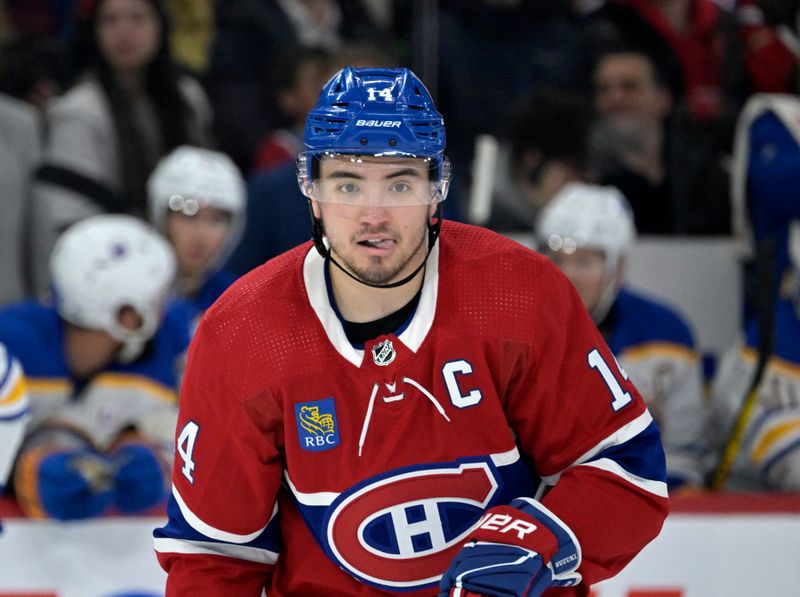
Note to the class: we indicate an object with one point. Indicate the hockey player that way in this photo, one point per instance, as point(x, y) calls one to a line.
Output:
point(196, 197)
point(766, 455)
point(101, 372)
point(14, 412)
point(411, 403)
point(588, 231)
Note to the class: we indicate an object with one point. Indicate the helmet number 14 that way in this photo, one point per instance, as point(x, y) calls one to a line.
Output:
point(385, 94)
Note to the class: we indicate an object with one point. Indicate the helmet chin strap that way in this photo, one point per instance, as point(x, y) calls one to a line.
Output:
point(322, 249)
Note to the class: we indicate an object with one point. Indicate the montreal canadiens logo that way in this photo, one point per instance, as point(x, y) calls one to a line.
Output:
point(402, 531)
point(383, 353)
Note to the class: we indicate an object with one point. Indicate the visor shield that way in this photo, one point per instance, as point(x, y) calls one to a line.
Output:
point(391, 181)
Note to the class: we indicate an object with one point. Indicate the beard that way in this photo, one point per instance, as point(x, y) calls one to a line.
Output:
point(379, 270)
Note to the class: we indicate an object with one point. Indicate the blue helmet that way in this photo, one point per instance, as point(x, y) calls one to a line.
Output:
point(376, 111)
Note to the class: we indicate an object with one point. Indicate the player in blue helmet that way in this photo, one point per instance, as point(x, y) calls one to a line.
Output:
point(397, 410)
point(374, 113)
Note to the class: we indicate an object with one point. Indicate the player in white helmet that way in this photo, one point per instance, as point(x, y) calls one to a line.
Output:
point(196, 197)
point(588, 231)
point(101, 372)
point(765, 455)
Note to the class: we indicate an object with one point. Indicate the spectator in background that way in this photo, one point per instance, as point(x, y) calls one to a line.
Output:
point(197, 199)
point(588, 231)
point(694, 45)
point(767, 30)
point(107, 133)
point(101, 367)
point(546, 149)
point(252, 36)
point(296, 94)
point(510, 49)
point(19, 154)
point(765, 455)
point(627, 144)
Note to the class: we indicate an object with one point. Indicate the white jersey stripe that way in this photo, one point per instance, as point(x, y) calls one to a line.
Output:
point(213, 532)
point(658, 488)
point(241, 552)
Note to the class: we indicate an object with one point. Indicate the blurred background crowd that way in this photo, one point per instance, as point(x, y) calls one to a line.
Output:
point(128, 122)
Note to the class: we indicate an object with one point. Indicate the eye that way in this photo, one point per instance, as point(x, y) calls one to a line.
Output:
point(347, 187)
point(401, 187)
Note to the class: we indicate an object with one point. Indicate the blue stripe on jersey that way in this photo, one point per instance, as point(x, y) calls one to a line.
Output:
point(17, 415)
point(641, 455)
point(178, 528)
point(791, 447)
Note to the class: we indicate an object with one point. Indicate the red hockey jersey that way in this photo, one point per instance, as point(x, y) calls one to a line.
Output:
point(309, 466)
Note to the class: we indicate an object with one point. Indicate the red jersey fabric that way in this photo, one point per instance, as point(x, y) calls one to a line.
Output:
point(309, 466)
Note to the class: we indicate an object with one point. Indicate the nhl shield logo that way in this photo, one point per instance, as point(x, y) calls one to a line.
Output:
point(383, 353)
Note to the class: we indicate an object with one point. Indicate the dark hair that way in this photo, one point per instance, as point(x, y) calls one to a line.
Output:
point(173, 113)
point(553, 122)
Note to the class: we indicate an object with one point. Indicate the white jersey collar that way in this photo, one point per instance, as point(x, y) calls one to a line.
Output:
point(412, 336)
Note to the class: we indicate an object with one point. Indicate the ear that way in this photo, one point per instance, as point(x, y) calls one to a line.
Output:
point(315, 208)
point(129, 319)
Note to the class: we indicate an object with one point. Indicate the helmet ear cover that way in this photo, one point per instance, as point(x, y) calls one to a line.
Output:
point(105, 263)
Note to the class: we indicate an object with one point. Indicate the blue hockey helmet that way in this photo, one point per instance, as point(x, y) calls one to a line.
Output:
point(377, 112)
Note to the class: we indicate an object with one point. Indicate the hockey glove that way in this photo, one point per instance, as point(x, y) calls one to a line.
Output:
point(63, 484)
point(518, 550)
point(139, 477)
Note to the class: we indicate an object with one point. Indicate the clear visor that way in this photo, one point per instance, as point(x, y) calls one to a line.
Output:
point(393, 181)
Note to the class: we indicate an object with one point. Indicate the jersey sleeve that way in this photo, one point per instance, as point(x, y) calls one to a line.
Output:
point(14, 412)
point(585, 427)
point(222, 530)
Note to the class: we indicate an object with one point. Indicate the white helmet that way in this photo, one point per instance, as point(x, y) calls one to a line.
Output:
point(590, 217)
point(106, 262)
point(190, 178)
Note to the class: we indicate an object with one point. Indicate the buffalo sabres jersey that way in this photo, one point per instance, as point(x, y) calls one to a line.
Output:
point(309, 466)
point(769, 454)
point(14, 411)
point(214, 285)
point(141, 394)
point(655, 347)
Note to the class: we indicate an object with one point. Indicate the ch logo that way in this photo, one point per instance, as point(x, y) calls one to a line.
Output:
point(383, 353)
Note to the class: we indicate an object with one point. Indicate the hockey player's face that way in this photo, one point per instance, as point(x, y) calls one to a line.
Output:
point(377, 240)
point(197, 238)
point(585, 268)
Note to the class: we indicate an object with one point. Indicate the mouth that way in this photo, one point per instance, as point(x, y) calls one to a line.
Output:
point(377, 245)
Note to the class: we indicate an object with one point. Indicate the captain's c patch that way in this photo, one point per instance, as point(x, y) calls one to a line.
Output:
point(317, 428)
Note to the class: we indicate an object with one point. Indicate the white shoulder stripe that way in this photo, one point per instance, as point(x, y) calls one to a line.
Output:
point(321, 498)
point(213, 532)
point(620, 436)
point(240, 552)
point(506, 458)
point(658, 488)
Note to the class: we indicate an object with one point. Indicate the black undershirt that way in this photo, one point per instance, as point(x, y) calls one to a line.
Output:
point(359, 333)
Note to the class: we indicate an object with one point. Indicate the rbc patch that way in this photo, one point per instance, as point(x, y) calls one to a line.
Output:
point(317, 427)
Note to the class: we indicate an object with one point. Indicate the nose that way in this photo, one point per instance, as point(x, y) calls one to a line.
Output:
point(373, 213)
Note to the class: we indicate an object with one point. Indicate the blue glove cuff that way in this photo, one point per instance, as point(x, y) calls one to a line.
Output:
point(567, 558)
